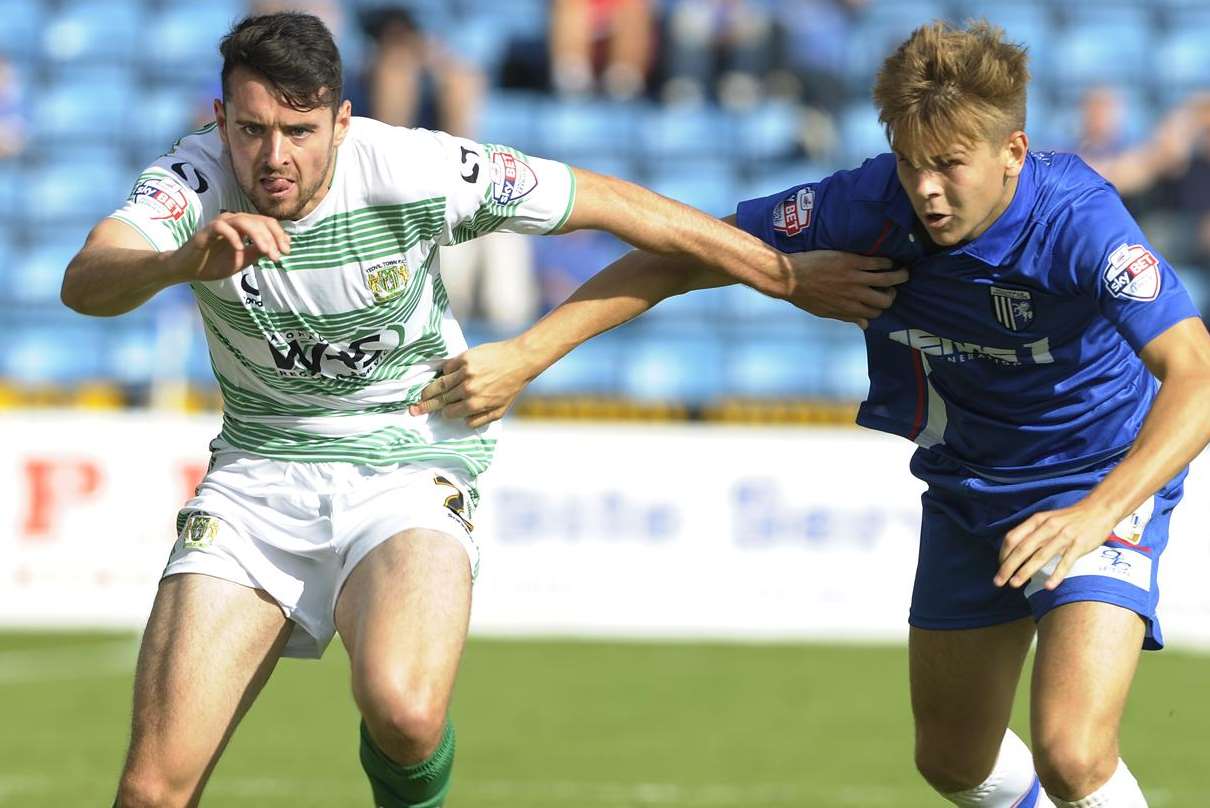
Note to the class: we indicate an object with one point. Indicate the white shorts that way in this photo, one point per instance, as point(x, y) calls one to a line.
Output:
point(297, 529)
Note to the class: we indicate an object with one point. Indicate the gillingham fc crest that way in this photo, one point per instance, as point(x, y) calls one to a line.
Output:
point(1014, 308)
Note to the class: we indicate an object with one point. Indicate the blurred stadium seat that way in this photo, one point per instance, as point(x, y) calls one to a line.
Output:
point(94, 31)
point(590, 369)
point(673, 368)
point(78, 106)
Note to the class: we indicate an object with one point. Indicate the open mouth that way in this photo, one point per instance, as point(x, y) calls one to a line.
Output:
point(937, 220)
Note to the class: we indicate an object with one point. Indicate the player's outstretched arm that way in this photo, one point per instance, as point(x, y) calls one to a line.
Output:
point(661, 225)
point(481, 384)
point(1175, 431)
point(116, 271)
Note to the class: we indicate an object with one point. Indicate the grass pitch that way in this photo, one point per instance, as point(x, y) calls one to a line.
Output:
point(568, 725)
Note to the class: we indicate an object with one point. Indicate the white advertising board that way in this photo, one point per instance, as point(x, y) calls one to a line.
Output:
point(620, 530)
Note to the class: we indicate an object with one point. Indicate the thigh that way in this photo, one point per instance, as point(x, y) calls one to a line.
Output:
point(208, 649)
point(403, 614)
point(962, 686)
point(1087, 656)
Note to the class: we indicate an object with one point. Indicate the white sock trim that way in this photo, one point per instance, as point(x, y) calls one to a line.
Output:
point(1011, 778)
point(1120, 791)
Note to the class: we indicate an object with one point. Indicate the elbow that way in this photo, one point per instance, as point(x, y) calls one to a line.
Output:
point(69, 293)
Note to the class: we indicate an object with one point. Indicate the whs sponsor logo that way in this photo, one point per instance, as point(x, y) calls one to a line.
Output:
point(302, 354)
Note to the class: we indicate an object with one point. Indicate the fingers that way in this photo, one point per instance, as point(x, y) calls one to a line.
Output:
point(872, 263)
point(892, 277)
point(263, 233)
point(879, 298)
point(446, 389)
point(1018, 547)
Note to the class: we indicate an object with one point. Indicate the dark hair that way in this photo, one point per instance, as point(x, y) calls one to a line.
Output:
point(294, 51)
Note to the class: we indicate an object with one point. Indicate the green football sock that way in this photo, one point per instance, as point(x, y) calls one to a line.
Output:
point(423, 785)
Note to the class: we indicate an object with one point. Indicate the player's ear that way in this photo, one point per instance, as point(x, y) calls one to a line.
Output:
point(1015, 150)
point(341, 125)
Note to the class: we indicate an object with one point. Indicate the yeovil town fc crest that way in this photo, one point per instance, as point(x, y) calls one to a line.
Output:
point(1014, 308)
point(388, 279)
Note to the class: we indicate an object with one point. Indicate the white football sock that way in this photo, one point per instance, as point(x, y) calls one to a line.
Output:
point(1121, 791)
point(1012, 783)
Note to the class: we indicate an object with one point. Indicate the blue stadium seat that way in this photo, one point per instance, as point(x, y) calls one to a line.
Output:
point(590, 369)
point(77, 190)
point(667, 368)
point(1099, 50)
point(79, 107)
point(678, 132)
point(744, 309)
point(861, 135)
point(770, 367)
point(36, 274)
point(705, 184)
point(1030, 22)
point(64, 351)
point(845, 370)
point(163, 115)
point(510, 118)
point(131, 355)
point(182, 42)
point(94, 30)
point(21, 33)
point(772, 131)
point(570, 129)
point(1186, 59)
point(879, 29)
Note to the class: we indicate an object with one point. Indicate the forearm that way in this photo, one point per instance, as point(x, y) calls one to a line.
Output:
point(1175, 431)
point(664, 226)
point(619, 293)
point(107, 281)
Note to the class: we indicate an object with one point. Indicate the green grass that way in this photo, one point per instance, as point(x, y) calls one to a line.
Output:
point(567, 725)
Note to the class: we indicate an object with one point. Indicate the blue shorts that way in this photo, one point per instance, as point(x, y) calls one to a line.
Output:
point(965, 517)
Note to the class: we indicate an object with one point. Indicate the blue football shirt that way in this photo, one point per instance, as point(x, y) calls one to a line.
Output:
point(1014, 354)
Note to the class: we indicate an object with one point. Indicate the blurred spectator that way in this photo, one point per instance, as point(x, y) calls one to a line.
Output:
point(13, 121)
point(718, 48)
point(600, 43)
point(1133, 168)
point(412, 79)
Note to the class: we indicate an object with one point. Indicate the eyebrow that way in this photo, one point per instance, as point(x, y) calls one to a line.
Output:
point(310, 127)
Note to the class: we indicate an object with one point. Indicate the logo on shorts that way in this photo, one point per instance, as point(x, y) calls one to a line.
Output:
point(1130, 530)
point(200, 531)
point(1133, 272)
point(455, 503)
point(1014, 308)
point(793, 215)
point(388, 279)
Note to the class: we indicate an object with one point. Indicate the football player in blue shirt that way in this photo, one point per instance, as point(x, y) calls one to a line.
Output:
point(1022, 358)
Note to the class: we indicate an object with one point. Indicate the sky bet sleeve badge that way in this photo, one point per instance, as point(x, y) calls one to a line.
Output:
point(1133, 273)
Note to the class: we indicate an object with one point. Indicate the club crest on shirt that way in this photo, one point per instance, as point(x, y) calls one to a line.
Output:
point(1133, 272)
point(512, 178)
point(793, 215)
point(387, 280)
point(201, 529)
point(1014, 308)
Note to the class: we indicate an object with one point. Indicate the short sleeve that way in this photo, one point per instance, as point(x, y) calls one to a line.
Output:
point(489, 187)
point(176, 194)
point(791, 220)
point(1136, 289)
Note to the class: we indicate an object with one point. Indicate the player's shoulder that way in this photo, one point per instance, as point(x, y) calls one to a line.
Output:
point(1068, 188)
point(196, 160)
point(875, 180)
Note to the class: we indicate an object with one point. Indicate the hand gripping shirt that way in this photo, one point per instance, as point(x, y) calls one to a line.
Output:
point(1014, 354)
point(319, 355)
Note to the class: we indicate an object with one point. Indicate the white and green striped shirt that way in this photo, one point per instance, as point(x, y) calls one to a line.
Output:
point(319, 355)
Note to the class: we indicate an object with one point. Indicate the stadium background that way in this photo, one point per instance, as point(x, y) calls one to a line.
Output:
point(734, 504)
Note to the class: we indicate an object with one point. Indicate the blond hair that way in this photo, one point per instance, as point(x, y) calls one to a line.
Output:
point(946, 84)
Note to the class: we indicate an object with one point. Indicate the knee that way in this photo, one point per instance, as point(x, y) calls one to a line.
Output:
point(948, 766)
point(1072, 767)
point(150, 790)
point(407, 721)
